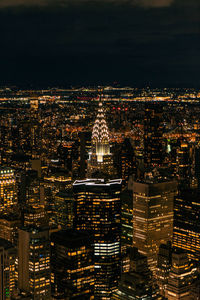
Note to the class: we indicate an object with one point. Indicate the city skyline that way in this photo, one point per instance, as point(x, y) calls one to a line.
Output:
point(99, 150)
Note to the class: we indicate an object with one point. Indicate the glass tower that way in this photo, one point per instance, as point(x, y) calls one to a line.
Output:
point(97, 210)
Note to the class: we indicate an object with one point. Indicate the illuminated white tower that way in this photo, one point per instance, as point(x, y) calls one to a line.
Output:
point(100, 159)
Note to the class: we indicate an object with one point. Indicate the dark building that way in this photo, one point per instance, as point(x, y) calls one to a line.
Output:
point(127, 218)
point(98, 211)
point(182, 277)
point(35, 215)
point(72, 265)
point(136, 284)
point(126, 227)
point(125, 162)
point(184, 163)
point(164, 266)
point(186, 222)
point(85, 146)
point(153, 135)
point(8, 255)
point(9, 224)
point(64, 209)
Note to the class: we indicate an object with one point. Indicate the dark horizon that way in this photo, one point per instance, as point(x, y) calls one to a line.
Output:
point(82, 42)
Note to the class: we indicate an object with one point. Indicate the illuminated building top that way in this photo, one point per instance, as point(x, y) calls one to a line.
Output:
point(100, 159)
point(98, 182)
point(100, 135)
point(100, 129)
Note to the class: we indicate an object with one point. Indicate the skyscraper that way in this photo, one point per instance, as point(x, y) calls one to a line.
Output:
point(152, 215)
point(34, 262)
point(153, 131)
point(164, 266)
point(186, 223)
point(100, 163)
point(125, 161)
point(126, 228)
point(64, 209)
point(72, 265)
point(8, 192)
point(85, 145)
point(97, 210)
point(184, 165)
point(181, 277)
point(9, 225)
point(136, 284)
point(127, 218)
point(8, 256)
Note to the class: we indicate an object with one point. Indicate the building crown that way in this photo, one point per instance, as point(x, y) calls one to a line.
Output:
point(100, 133)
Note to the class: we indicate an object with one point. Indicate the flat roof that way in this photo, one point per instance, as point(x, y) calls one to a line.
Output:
point(98, 182)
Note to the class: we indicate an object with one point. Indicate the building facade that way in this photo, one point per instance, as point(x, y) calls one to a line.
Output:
point(72, 265)
point(8, 255)
point(181, 277)
point(8, 191)
point(34, 262)
point(97, 210)
point(152, 216)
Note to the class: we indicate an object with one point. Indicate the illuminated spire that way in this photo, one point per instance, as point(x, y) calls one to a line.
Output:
point(100, 158)
point(100, 132)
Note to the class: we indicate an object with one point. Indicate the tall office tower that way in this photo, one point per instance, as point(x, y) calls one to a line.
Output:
point(85, 145)
point(8, 192)
point(27, 179)
point(64, 209)
point(127, 218)
point(100, 162)
point(186, 223)
point(153, 135)
point(97, 210)
point(75, 160)
point(72, 266)
point(163, 267)
point(8, 256)
point(181, 277)
point(125, 162)
point(152, 215)
point(34, 262)
point(184, 165)
point(126, 227)
point(9, 225)
point(35, 140)
point(137, 283)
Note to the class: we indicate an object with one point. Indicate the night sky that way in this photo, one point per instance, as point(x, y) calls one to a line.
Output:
point(80, 42)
